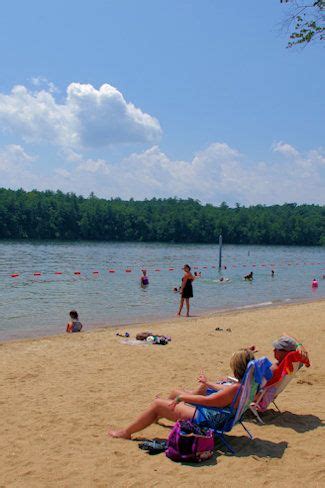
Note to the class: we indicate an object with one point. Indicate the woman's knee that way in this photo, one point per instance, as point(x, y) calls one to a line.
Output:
point(158, 403)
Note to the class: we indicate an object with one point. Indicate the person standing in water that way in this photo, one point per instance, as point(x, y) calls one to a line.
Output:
point(144, 280)
point(186, 290)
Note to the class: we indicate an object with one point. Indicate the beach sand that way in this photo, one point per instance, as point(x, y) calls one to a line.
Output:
point(59, 394)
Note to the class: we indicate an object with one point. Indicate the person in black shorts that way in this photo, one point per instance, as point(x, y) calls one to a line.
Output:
point(186, 290)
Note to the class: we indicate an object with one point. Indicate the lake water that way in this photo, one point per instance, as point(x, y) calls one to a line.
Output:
point(38, 305)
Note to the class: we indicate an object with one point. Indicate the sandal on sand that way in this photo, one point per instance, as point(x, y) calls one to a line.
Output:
point(153, 447)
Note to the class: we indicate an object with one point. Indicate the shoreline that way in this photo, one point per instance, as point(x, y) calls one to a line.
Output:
point(161, 321)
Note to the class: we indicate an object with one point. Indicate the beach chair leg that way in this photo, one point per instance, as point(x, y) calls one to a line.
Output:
point(249, 434)
point(228, 446)
point(276, 406)
point(255, 412)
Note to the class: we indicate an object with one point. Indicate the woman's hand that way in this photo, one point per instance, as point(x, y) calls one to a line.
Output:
point(202, 378)
point(175, 402)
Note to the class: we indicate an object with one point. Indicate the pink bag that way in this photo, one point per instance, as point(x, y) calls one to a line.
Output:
point(188, 442)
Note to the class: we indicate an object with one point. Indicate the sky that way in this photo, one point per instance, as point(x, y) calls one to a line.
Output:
point(141, 99)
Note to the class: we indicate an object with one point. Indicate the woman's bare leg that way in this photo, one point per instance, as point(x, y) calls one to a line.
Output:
point(180, 306)
point(187, 307)
point(158, 409)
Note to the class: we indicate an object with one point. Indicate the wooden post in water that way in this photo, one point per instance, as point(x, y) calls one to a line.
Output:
point(220, 251)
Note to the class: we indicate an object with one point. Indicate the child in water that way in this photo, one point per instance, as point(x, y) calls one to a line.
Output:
point(144, 280)
point(74, 325)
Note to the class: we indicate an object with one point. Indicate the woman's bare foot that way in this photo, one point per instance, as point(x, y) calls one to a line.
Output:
point(119, 434)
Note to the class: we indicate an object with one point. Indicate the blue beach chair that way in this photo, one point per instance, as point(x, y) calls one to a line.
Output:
point(244, 397)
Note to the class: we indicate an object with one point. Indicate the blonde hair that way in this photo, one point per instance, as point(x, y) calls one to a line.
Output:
point(239, 361)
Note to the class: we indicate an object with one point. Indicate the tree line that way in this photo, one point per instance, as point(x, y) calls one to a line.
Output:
point(55, 215)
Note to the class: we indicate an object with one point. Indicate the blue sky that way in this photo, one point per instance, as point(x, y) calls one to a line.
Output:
point(204, 101)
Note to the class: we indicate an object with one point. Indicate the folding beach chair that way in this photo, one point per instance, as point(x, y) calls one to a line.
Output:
point(244, 397)
point(267, 395)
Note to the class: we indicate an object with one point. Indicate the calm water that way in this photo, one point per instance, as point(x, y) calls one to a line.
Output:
point(38, 305)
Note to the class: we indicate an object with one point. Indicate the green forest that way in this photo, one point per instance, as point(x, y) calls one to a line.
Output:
point(55, 215)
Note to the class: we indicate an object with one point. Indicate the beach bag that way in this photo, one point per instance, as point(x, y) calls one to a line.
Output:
point(190, 443)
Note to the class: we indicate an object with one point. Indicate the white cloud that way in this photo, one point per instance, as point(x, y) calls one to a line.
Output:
point(217, 173)
point(285, 149)
point(13, 158)
point(214, 174)
point(87, 117)
point(42, 82)
point(62, 172)
point(16, 167)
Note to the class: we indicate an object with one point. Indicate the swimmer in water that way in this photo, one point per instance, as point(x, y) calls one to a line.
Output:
point(222, 280)
point(272, 273)
point(249, 277)
point(144, 280)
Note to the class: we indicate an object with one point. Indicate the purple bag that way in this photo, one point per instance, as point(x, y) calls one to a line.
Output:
point(187, 442)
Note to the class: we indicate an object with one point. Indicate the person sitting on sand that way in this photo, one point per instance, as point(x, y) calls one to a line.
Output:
point(182, 406)
point(74, 325)
point(249, 276)
point(144, 280)
point(282, 347)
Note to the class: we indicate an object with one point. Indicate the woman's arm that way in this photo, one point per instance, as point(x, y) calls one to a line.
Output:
point(184, 280)
point(209, 384)
point(223, 398)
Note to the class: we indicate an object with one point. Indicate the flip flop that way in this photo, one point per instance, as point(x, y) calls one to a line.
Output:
point(153, 447)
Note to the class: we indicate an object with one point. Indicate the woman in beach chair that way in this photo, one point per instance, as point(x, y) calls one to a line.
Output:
point(184, 406)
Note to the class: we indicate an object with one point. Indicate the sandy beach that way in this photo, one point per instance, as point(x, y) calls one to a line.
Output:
point(59, 394)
